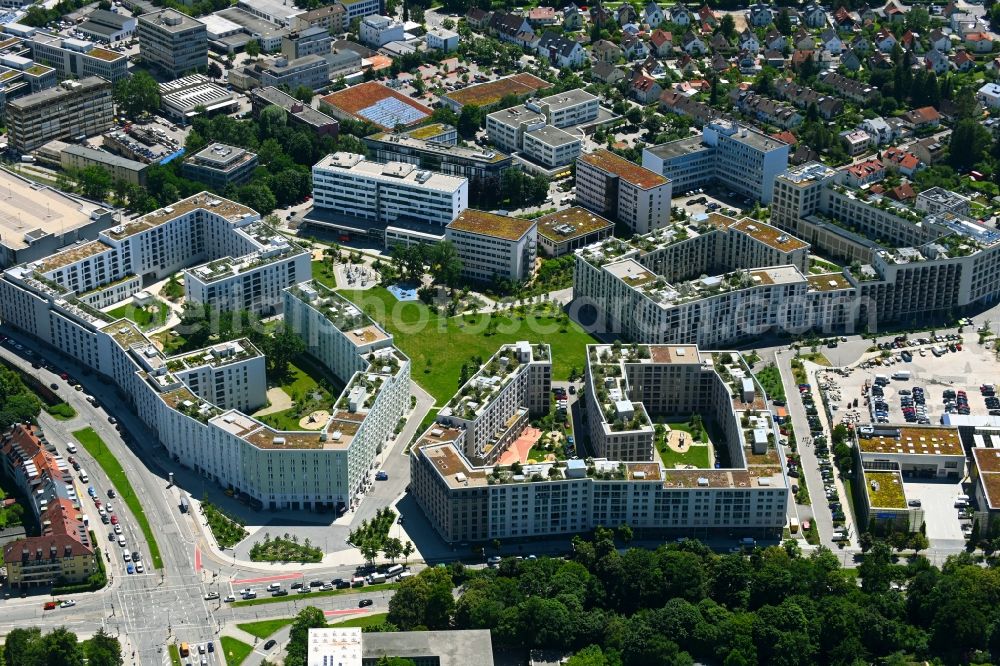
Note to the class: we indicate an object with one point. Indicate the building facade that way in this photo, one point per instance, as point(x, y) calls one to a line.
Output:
point(494, 246)
point(612, 186)
point(348, 184)
point(218, 165)
point(173, 42)
point(73, 109)
point(734, 155)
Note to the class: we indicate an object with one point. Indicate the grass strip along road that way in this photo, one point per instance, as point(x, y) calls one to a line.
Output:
point(96, 447)
point(314, 595)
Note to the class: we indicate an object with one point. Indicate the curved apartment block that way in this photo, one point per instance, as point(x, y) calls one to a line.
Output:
point(198, 403)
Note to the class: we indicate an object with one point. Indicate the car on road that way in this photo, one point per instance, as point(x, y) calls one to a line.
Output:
point(107, 507)
point(111, 493)
point(139, 568)
point(365, 603)
point(136, 556)
point(381, 476)
point(296, 585)
point(54, 386)
point(112, 420)
point(121, 541)
point(127, 556)
point(273, 586)
point(49, 605)
point(494, 561)
point(211, 595)
point(229, 598)
point(69, 603)
point(280, 593)
point(130, 568)
point(270, 644)
point(91, 491)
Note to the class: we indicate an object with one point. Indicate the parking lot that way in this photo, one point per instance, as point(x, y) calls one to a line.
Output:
point(937, 500)
point(949, 379)
point(711, 200)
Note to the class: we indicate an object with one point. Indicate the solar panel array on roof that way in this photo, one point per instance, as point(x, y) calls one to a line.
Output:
point(390, 112)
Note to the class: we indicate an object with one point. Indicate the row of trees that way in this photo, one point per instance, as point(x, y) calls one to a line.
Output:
point(60, 647)
point(371, 538)
point(410, 262)
point(683, 603)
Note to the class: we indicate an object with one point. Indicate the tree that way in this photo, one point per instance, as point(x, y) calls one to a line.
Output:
point(408, 550)
point(257, 196)
point(61, 648)
point(20, 646)
point(969, 142)
point(280, 349)
point(253, 48)
point(304, 94)
point(727, 26)
point(94, 182)
point(137, 94)
point(392, 549)
point(214, 71)
point(633, 115)
point(445, 264)
point(104, 650)
point(784, 23)
point(469, 121)
point(296, 653)
point(423, 601)
point(875, 569)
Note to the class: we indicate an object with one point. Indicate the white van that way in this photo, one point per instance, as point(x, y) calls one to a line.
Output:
point(376, 578)
point(748, 542)
point(394, 570)
point(83, 476)
point(71, 448)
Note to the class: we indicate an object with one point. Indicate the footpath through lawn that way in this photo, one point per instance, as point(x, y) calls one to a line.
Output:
point(438, 345)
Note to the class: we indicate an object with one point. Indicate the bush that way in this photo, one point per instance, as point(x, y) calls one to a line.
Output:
point(284, 550)
point(61, 410)
point(228, 531)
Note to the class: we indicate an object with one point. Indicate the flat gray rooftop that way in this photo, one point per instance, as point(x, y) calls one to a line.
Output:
point(453, 648)
point(567, 99)
point(678, 148)
point(553, 136)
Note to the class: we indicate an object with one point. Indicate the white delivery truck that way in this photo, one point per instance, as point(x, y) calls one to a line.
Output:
point(902, 375)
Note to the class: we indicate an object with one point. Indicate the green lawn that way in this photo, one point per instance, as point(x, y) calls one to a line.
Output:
point(363, 621)
point(264, 628)
point(313, 595)
point(322, 272)
point(235, 651)
point(98, 449)
point(175, 655)
point(145, 317)
point(438, 346)
point(300, 383)
point(696, 455)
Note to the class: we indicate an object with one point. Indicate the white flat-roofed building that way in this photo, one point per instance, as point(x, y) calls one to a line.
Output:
point(348, 184)
point(611, 185)
point(494, 405)
point(734, 155)
point(77, 58)
point(441, 39)
point(261, 464)
point(253, 282)
point(181, 99)
point(252, 27)
point(506, 128)
point(311, 71)
point(230, 375)
point(174, 42)
point(310, 41)
point(551, 147)
point(494, 246)
point(361, 8)
point(277, 12)
point(378, 31)
point(565, 109)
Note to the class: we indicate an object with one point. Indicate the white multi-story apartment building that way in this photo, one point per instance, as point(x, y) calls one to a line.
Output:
point(565, 109)
point(254, 282)
point(494, 246)
point(655, 290)
point(614, 187)
point(493, 406)
point(734, 155)
point(907, 262)
point(348, 184)
point(467, 500)
point(192, 402)
point(360, 8)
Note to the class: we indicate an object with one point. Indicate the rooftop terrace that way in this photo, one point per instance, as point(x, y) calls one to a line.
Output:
point(923, 440)
point(491, 224)
point(628, 171)
point(206, 201)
